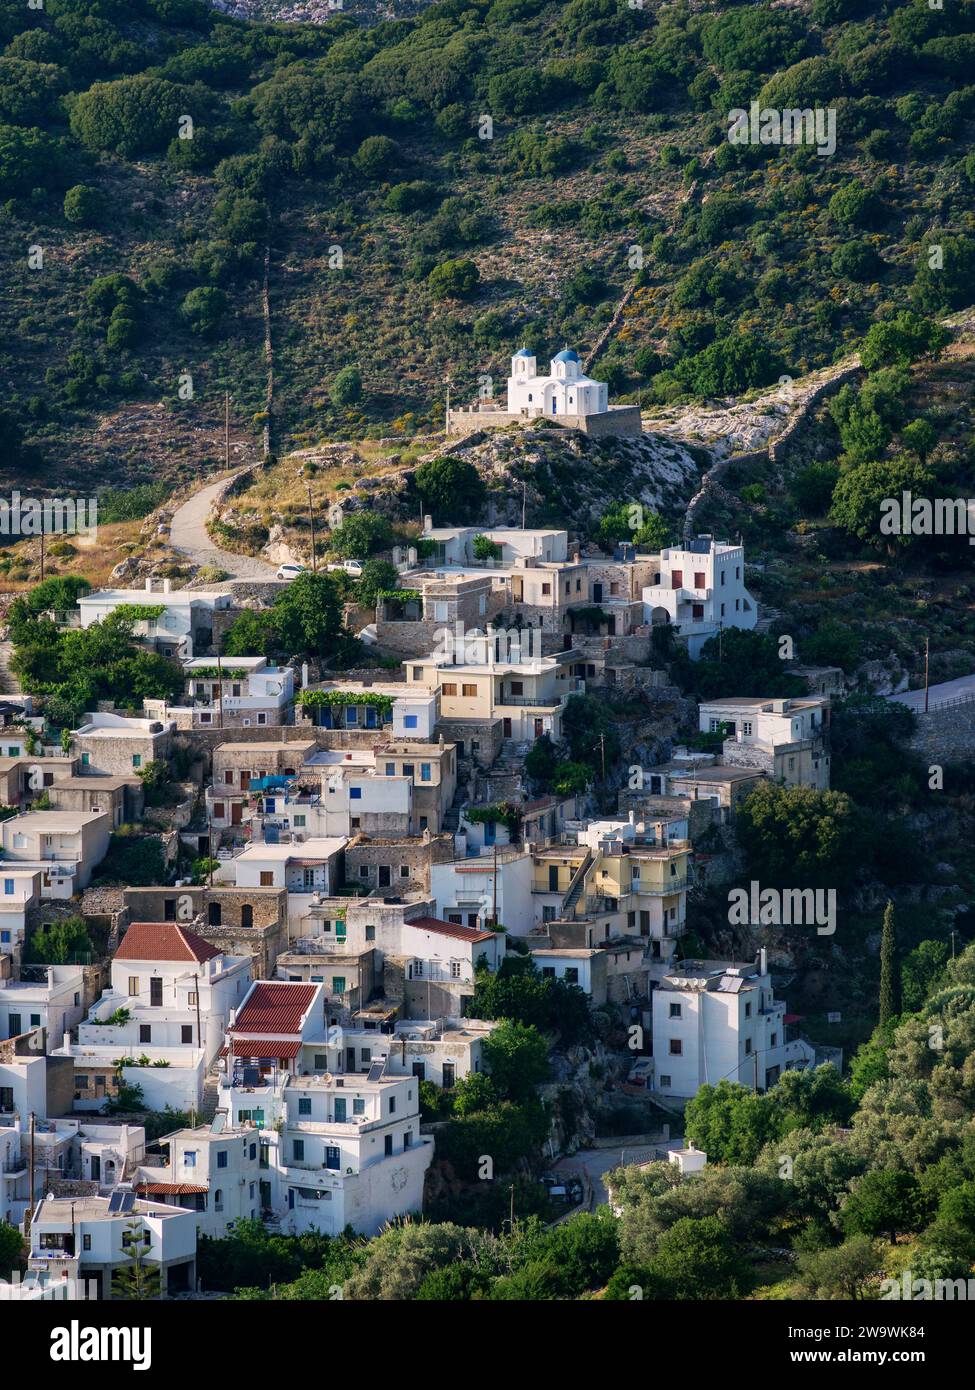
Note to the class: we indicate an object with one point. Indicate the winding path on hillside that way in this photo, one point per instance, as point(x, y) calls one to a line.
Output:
point(188, 534)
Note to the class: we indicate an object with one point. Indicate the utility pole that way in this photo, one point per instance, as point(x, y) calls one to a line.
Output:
point(927, 653)
point(219, 692)
point(311, 518)
point(226, 429)
point(29, 1211)
point(196, 992)
point(494, 889)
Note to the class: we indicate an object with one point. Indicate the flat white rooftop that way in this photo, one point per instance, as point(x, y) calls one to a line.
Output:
point(56, 822)
point(309, 849)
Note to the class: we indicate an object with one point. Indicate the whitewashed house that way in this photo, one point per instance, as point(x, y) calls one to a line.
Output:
point(700, 589)
point(715, 1021)
point(174, 990)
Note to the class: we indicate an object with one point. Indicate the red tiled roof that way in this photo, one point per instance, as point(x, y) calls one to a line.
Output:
point(164, 941)
point(163, 1189)
point(262, 1047)
point(274, 1008)
point(449, 929)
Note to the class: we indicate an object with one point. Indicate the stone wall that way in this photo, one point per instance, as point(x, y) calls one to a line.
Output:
point(945, 735)
point(747, 755)
point(486, 733)
point(416, 855)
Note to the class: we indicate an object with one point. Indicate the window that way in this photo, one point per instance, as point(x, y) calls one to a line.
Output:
point(665, 1083)
point(5, 938)
point(304, 1105)
point(298, 1150)
point(773, 1040)
point(546, 588)
point(261, 717)
point(228, 777)
point(300, 822)
point(35, 1020)
point(676, 1047)
point(218, 1199)
point(145, 1032)
point(748, 1047)
point(699, 580)
point(407, 769)
point(468, 691)
point(572, 975)
point(267, 878)
point(614, 588)
point(448, 688)
point(370, 933)
point(358, 1106)
point(455, 969)
point(8, 886)
point(355, 793)
point(748, 1010)
point(136, 759)
point(404, 871)
point(410, 721)
point(388, 1145)
point(746, 727)
point(425, 773)
point(252, 1151)
point(218, 810)
point(392, 1105)
point(133, 985)
point(363, 870)
point(390, 769)
point(189, 1158)
point(321, 1061)
point(338, 984)
point(86, 1242)
point(186, 1033)
point(675, 1010)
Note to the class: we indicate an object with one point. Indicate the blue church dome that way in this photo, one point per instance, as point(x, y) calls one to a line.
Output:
point(523, 352)
point(566, 355)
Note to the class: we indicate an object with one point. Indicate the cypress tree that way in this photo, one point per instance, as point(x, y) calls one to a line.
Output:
point(890, 969)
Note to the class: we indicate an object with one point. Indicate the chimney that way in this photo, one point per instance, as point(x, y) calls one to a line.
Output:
point(762, 961)
point(304, 675)
point(427, 525)
point(632, 817)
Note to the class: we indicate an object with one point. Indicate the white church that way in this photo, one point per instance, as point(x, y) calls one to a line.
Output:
point(566, 397)
point(565, 391)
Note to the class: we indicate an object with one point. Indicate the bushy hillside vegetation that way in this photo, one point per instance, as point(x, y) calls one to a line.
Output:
point(405, 244)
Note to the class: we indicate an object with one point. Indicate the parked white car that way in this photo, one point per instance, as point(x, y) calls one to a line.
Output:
point(290, 571)
point(350, 567)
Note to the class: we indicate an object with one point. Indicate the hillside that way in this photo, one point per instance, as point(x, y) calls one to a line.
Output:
point(351, 151)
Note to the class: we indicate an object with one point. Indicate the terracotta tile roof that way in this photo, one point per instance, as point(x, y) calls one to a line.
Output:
point(162, 1189)
point(263, 1048)
point(449, 929)
point(274, 1008)
point(164, 941)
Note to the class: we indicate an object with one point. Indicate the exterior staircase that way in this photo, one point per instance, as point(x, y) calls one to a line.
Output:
point(211, 1097)
point(9, 685)
point(577, 885)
